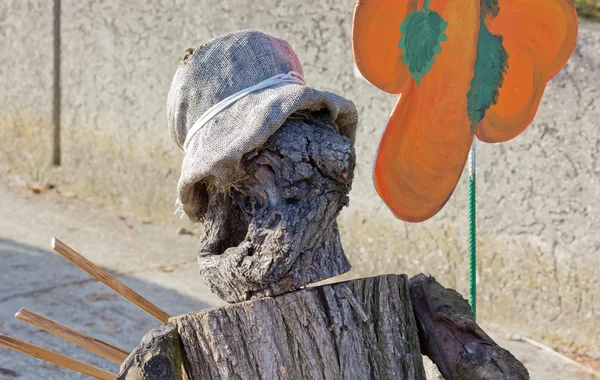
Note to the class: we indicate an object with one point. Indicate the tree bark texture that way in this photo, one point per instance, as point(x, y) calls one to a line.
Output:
point(158, 357)
point(360, 329)
point(453, 341)
point(275, 230)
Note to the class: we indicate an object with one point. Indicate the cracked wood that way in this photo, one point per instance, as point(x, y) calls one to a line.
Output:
point(360, 329)
point(275, 230)
point(453, 341)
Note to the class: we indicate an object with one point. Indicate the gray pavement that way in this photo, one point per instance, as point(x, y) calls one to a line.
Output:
point(153, 259)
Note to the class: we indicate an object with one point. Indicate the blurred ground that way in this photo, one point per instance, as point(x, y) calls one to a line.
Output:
point(157, 261)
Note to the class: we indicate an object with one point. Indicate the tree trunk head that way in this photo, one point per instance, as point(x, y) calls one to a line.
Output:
point(275, 229)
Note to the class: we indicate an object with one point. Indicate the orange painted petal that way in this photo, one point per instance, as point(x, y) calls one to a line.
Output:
point(539, 37)
point(518, 98)
point(426, 142)
point(547, 27)
point(375, 38)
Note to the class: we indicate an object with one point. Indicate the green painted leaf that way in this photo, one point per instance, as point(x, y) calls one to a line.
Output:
point(490, 66)
point(490, 7)
point(422, 35)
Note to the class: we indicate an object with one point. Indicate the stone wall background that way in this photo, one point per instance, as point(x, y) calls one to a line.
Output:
point(538, 195)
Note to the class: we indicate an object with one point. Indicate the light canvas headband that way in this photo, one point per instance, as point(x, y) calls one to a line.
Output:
point(290, 77)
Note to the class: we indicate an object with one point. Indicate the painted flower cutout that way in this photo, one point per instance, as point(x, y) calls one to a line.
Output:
point(463, 68)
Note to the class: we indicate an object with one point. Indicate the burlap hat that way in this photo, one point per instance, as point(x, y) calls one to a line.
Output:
point(228, 98)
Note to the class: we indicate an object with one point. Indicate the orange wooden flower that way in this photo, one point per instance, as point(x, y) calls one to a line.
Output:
point(463, 68)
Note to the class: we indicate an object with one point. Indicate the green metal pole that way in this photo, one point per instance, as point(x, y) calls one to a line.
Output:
point(472, 232)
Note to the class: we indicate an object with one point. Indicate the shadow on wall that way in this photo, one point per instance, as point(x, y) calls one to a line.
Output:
point(46, 283)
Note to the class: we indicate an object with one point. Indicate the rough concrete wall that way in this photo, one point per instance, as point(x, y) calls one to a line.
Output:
point(117, 65)
point(118, 61)
point(538, 216)
point(26, 85)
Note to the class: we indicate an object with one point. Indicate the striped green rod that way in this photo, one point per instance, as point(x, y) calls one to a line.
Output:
point(472, 233)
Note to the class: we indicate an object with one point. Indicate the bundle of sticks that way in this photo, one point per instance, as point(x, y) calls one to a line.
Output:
point(87, 342)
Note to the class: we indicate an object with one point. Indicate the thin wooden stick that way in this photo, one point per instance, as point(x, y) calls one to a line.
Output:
point(108, 280)
point(55, 358)
point(91, 344)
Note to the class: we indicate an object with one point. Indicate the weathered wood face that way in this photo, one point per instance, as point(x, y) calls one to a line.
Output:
point(275, 230)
